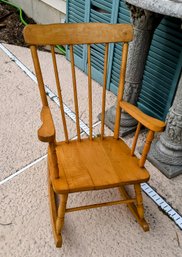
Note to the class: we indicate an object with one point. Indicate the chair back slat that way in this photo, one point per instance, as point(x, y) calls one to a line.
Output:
point(39, 75)
point(104, 89)
point(75, 92)
point(121, 89)
point(59, 93)
point(89, 89)
point(77, 33)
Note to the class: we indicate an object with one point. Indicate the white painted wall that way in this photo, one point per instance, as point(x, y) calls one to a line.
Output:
point(44, 11)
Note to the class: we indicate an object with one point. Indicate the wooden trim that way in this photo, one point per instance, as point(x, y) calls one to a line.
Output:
point(78, 33)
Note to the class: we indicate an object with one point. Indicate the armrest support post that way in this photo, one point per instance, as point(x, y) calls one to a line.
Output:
point(146, 148)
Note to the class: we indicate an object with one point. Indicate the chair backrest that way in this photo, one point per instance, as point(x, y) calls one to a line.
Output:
point(74, 34)
point(89, 33)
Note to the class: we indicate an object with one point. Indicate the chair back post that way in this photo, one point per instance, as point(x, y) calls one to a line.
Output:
point(44, 103)
point(39, 75)
point(121, 89)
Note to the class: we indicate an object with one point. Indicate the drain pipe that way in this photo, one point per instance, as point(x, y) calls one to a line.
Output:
point(60, 48)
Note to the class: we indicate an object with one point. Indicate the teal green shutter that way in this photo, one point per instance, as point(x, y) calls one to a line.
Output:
point(123, 17)
point(162, 69)
point(100, 11)
point(76, 13)
point(163, 64)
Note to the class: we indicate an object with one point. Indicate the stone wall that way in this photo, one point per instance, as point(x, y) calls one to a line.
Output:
point(44, 11)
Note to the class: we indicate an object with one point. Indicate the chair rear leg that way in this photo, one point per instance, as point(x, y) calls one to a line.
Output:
point(132, 207)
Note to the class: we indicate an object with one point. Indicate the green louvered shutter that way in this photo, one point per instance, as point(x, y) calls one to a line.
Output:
point(163, 64)
point(123, 17)
point(162, 69)
point(76, 12)
point(100, 11)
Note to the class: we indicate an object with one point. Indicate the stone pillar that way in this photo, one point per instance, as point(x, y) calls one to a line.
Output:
point(166, 153)
point(144, 23)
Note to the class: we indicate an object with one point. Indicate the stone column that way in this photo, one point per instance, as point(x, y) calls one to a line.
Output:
point(144, 23)
point(166, 153)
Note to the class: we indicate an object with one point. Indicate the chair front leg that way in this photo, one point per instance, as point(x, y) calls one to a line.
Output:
point(61, 213)
point(139, 200)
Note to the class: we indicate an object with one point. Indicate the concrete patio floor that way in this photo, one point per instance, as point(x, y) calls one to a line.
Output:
point(25, 228)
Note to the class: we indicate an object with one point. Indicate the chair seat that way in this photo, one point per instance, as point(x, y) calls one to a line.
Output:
point(96, 164)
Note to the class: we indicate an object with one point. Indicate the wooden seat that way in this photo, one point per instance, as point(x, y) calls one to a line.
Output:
point(92, 163)
point(96, 164)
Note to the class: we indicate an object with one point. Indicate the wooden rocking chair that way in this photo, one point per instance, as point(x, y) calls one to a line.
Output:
point(92, 163)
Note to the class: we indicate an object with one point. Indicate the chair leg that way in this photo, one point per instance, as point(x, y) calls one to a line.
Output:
point(53, 214)
point(132, 207)
point(61, 213)
point(139, 200)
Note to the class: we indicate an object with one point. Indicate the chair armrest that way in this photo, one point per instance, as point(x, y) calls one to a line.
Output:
point(46, 132)
point(149, 122)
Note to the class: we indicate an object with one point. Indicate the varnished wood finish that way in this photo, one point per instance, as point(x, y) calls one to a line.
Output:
point(53, 212)
point(98, 205)
point(89, 89)
point(39, 75)
point(132, 207)
point(82, 33)
point(61, 213)
point(93, 163)
point(139, 200)
point(96, 164)
point(104, 90)
point(135, 138)
point(75, 91)
point(46, 132)
point(146, 148)
point(59, 93)
point(120, 90)
point(53, 162)
point(149, 122)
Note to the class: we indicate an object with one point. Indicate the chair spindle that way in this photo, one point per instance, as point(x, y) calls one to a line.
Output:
point(89, 89)
point(146, 148)
point(121, 89)
point(39, 75)
point(75, 92)
point(59, 93)
point(104, 89)
point(135, 138)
